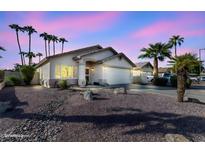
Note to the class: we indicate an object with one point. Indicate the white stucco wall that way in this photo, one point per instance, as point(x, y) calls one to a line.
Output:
point(44, 71)
point(62, 60)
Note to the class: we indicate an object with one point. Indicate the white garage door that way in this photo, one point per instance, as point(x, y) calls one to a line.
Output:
point(117, 76)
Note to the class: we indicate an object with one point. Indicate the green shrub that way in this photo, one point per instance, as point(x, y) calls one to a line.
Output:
point(27, 73)
point(173, 81)
point(62, 84)
point(160, 81)
point(12, 81)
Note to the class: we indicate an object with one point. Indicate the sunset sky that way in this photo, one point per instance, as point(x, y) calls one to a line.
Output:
point(126, 32)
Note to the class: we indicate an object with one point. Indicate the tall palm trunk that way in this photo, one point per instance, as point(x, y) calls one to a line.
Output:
point(53, 47)
point(49, 48)
point(62, 46)
point(29, 50)
point(30, 59)
point(155, 69)
point(17, 36)
point(46, 48)
point(181, 80)
point(24, 61)
point(175, 49)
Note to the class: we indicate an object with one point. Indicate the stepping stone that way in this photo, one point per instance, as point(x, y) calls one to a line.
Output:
point(176, 138)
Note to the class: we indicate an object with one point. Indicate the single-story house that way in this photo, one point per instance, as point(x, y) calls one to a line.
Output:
point(142, 68)
point(90, 65)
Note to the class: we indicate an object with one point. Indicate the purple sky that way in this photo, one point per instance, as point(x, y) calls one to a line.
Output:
point(127, 32)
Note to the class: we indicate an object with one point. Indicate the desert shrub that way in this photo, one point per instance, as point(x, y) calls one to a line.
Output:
point(62, 84)
point(1, 75)
point(160, 81)
point(27, 73)
point(173, 81)
point(12, 81)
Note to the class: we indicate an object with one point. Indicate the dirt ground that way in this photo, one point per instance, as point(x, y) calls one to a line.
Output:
point(42, 114)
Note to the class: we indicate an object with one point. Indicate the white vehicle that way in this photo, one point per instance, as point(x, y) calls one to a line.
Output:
point(194, 79)
point(202, 78)
point(150, 78)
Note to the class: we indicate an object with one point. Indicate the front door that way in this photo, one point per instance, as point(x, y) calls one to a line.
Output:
point(87, 75)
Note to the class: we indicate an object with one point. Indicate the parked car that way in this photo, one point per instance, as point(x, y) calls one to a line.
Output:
point(194, 79)
point(166, 75)
point(202, 78)
point(150, 78)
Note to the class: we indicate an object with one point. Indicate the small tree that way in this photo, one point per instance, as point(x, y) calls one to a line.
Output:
point(30, 56)
point(182, 65)
point(39, 55)
point(27, 73)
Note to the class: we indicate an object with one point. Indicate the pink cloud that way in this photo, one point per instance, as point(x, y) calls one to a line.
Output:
point(73, 24)
point(182, 25)
point(9, 37)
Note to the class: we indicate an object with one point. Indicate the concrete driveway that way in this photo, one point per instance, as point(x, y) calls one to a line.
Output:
point(197, 91)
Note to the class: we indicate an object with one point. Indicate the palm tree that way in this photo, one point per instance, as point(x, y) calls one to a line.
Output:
point(17, 28)
point(30, 55)
point(1, 48)
point(30, 31)
point(183, 64)
point(174, 41)
point(39, 56)
point(54, 40)
point(45, 37)
point(49, 38)
point(23, 55)
point(62, 40)
point(17, 67)
point(158, 51)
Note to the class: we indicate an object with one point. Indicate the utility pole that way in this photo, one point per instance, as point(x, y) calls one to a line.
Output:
point(201, 64)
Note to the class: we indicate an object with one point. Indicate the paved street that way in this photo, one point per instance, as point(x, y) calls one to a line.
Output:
point(197, 91)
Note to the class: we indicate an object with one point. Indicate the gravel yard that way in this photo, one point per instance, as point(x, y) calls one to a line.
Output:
point(42, 114)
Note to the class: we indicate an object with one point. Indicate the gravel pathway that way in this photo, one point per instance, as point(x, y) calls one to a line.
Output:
point(63, 115)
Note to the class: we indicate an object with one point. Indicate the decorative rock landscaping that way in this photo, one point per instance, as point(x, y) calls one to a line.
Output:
point(176, 138)
point(42, 114)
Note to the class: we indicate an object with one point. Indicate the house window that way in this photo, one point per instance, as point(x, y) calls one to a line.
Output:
point(57, 71)
point(65, 72)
